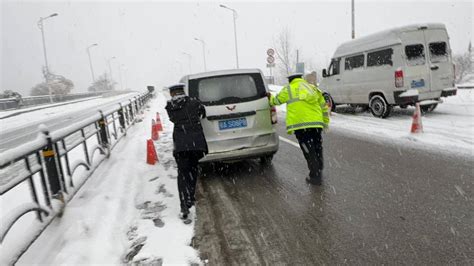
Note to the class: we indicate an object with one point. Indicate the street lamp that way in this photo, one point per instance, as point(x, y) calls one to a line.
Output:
point(234, 14)
point(110, 70)
point(46, 70)
point(90, 60)
point(203, 51)
point(189, 57)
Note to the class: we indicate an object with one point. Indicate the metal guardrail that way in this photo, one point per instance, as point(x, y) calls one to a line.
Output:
point(45, 163)
point(15, 103)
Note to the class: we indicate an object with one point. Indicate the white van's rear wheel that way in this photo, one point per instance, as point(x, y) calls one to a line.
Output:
point(379, 107)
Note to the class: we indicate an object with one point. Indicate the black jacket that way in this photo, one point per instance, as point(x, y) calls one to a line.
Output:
point(186, 114)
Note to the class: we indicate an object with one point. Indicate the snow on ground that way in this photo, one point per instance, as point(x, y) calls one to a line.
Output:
point(15, 122)
point(127, 211)
point(449, 128)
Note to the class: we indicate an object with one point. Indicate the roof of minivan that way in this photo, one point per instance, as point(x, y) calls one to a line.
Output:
point(380, 39)
point(223, 73)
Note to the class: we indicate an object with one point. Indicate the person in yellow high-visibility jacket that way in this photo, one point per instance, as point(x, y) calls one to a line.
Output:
point(306, 115)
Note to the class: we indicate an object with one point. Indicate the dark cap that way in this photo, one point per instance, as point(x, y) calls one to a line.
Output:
point(176, 87)
point(295, 75)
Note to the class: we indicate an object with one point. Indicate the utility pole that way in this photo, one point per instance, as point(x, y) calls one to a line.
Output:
point(353, 20)
point(234, 14)
point(90, 60)
point(46, 75)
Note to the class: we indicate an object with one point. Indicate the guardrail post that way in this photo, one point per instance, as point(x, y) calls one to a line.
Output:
point(130, 107)
point(103, 131)
point(121, 118)
point(51, 163)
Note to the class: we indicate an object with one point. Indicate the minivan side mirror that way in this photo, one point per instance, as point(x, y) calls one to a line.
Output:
point(325, 74)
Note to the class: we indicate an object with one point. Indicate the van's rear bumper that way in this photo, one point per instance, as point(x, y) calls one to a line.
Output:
point(244, 153)
point(405, 98)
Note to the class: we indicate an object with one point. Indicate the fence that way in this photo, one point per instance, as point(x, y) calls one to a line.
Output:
point(45, 165)
point(15, 103)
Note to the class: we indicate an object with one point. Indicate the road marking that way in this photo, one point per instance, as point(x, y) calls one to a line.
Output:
point(289, 142)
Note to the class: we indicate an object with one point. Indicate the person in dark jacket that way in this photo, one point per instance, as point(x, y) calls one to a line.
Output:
point(189, 142)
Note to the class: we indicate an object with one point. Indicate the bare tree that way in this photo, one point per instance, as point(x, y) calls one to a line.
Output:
point(103, 83)
point(463, 65)
point(284, 52)
point(59, 86)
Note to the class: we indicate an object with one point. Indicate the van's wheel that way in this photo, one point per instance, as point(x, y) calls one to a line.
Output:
point(329, 101)
point(379, 106)
point(428, 108)
point(266, 160)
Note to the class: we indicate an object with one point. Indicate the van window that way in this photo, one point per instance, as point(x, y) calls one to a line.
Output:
point(438, 52)
point(415, 54)
point(227, 89)
point(354, 62)
point(334, 67)
point(380, 58)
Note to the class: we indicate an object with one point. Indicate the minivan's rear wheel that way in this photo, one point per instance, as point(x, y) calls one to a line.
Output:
point(428, 108)
point(379, 106)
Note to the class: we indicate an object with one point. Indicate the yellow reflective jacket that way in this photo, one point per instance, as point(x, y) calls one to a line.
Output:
point(306, 107)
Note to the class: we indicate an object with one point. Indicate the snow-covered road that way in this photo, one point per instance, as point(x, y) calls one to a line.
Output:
point(448, 129)
point(127, 211)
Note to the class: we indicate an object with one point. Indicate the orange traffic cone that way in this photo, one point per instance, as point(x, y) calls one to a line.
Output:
point(154, 130)
point(151, 156)
point(159, 125)
point(417, 126)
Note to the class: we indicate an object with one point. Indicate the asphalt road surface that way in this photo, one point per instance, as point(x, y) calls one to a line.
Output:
point(378, 204)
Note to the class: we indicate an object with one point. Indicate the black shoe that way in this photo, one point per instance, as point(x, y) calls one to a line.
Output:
point(314, 181)
point(190, 204)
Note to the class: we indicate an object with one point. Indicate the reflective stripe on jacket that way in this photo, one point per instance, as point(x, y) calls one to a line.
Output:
point(306, 106)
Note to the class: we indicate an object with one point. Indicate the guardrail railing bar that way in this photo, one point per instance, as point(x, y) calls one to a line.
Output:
point(43, 180)
point(84, 143)
point(62, 179)
point(33, 188)
point(68, 166)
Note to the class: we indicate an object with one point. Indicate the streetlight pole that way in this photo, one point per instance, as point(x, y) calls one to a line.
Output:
point(46, 67)
point(189, 57)
point(90, 60)
point(110, 71)
point(353, 20)
point(234, 14)
point(203, 51)
point(120, 76)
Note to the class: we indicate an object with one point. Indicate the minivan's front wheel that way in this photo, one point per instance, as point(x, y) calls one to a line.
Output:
point(379, 106)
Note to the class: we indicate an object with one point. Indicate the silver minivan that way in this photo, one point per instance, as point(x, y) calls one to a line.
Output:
point(395, 67)
point(240, 124)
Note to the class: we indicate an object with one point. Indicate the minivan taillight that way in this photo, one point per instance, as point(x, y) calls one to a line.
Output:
point(273, 115)
point(398, 78)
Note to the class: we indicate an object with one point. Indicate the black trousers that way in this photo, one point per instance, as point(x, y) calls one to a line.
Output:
point(187, 162)
point(311, 144)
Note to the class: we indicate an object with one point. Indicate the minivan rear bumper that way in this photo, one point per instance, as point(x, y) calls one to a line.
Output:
point(245, 153)
point(401, 99)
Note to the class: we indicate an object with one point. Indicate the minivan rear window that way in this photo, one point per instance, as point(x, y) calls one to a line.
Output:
point(415, 54)
point(438, 52)
point(227, 89)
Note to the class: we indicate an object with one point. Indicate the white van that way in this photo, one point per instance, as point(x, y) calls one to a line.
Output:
point(396, 67)
point(240, 123)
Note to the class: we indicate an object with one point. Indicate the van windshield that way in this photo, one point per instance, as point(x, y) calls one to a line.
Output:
point(227, 89)
point(415, 54)
point(438, 52)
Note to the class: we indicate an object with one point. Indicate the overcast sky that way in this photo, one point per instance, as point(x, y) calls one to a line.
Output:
point(148, 38)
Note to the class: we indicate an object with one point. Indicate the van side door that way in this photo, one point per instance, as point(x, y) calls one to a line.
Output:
point(334, 82)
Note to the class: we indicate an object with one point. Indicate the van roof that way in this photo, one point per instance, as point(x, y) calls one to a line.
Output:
point(223, 72)
point(380, 39)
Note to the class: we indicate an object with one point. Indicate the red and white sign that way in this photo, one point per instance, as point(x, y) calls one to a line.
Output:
point(270, 52)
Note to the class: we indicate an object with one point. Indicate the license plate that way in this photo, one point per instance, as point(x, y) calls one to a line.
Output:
point(232, 123)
